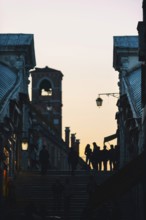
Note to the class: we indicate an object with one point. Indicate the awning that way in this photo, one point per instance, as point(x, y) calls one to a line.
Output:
point(109, 138)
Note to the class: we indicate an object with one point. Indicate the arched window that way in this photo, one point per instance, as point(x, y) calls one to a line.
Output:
point(45, 88)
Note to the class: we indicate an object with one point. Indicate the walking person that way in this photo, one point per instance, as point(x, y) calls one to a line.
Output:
point(11, 193)
point(44, 160)
point(88, 153)
point(105, 157)
point(57, 190)
point(42, 212)
point(73, 160)
point(91, 186)
point(95, 157)
point(67, 198)
point(31, 212)
point(112, 158)
point(33, 157)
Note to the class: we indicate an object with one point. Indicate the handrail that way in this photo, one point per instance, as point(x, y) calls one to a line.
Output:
point(52, 135)
point(43, 120)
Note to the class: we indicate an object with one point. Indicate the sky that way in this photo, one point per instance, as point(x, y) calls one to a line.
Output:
point(76, 37)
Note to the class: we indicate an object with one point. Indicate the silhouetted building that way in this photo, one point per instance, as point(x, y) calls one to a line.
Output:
point(34, 123)
point(125, 190)
point(129, 117)
point(47, 95)
point(142, 57)
point(17, 57)
point(46, 112)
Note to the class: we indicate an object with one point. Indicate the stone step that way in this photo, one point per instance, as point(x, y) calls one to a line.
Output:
point(35, 188)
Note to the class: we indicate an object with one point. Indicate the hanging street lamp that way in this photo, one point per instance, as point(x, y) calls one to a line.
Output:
point(99, 100)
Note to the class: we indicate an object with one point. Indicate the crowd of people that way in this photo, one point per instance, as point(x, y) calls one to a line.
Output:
point(96, 158)
point(100, 159)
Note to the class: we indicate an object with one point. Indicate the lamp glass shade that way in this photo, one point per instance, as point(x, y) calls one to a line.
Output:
point(99, 101)
point(24, 145)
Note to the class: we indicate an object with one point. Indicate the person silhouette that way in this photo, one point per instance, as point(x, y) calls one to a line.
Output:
point(44, 159)
point(42, 212)
point(33, 157)
point(11, 192)
point(88, 153)
point(105, 157)
point(112, 158)
point(93, 157)
point(73, 159)
point(91, 186)
point(67, 198)
point(31, 212)
point(57, 190)
point(96, 157)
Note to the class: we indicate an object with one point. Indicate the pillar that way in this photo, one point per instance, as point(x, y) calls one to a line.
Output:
point(67, 136)
point(73, 140)
point(78, 146)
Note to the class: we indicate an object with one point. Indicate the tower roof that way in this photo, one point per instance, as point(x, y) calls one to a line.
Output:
point(46, 69)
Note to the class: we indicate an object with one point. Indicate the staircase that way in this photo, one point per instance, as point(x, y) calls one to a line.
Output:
point(32, 187)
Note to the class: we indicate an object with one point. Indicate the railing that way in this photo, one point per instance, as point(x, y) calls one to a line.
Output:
point(49, 130)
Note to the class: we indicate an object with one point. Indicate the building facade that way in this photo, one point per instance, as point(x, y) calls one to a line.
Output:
point(129, 116)
point(16, 59)
point(47, 95)
point(24, 122)
point(142, 57)
point(46, 110)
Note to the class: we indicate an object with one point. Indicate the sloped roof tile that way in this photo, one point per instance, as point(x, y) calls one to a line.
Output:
point(15, 39)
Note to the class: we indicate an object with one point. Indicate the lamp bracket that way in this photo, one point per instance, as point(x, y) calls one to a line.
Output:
point(114, 94)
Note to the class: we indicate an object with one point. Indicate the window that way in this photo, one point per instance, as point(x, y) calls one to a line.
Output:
point(45, 88)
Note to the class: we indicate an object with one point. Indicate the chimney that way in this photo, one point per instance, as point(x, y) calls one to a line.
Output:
point(78, 146)
point(73, 140)
point(67, 136)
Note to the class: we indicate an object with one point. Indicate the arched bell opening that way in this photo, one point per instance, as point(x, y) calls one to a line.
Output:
point(45, 88)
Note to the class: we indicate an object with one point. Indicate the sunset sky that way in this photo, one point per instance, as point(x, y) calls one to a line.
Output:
point(76, 37)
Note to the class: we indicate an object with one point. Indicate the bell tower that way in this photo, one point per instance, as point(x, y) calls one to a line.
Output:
point(47, 95)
